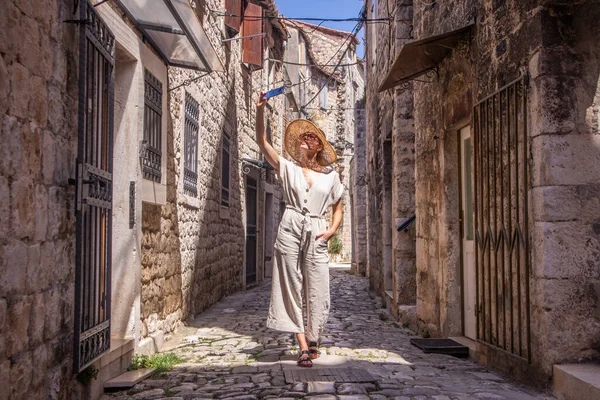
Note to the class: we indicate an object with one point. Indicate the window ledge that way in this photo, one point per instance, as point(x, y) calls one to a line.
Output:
point(153, 192)
point(190, 201)
point(224, 213)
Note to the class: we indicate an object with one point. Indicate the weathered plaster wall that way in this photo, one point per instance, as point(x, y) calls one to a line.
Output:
point(132, 57)
point(38, 93)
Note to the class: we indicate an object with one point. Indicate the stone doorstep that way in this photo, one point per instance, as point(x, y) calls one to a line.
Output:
point(576, 381)
point(470, 343)
point(325, 361)
point(129, 379)
point(118, 348)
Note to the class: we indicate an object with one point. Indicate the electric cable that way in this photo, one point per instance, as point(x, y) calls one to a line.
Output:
point(290, 85)
point(312, 65)
point(355, 31)
point(220, 13)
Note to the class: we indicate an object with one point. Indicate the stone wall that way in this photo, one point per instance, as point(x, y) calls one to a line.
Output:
point(565, 146)
point(38, 96)
point(553, 42)
point(390, 156)
point(438, 116)
point(194, 249)
point(358, 196)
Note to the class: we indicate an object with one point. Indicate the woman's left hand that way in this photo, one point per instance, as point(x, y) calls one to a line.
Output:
point(325, 235)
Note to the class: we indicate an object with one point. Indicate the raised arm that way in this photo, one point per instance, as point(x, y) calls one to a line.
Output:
point(261, 135)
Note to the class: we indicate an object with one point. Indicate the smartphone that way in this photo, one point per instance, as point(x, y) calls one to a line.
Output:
point(274, 92)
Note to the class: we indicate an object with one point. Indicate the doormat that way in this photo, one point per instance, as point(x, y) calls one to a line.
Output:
point(441, 346)
point(345, 375)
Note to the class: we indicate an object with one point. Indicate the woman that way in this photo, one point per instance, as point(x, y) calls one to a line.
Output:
point(301, 262)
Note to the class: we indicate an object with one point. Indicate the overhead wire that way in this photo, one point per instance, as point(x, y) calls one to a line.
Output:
point(289, 84)
point(428, 3)
point(322, 20)
point(189, 81)
point(355, 31)
point(311, 65)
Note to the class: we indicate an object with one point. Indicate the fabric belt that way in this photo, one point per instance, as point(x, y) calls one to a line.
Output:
point(306, 233)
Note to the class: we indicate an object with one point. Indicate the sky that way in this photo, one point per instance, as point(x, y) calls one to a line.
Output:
point(325, 9)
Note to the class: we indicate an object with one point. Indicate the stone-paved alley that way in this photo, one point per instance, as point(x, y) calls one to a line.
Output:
point(231, 355)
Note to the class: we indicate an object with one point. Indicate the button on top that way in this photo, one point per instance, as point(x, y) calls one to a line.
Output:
point(306, 201)
point(307, 190)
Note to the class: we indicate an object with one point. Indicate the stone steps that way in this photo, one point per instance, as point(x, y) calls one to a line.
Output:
point(128, 379)
point(576, 381)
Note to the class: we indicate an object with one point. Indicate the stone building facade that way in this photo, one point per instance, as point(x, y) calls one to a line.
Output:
point(389, 165)
point(38, 87)
point(328, 95)
point(100, 222)
point(203, 240)
point(358, 194)
point(499, 127)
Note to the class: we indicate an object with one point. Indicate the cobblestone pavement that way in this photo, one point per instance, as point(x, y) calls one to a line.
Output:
point(231, 355)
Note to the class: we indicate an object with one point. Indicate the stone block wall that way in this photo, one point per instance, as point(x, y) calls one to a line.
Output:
point(193, 249)
point(390, 155)
point(38, 103)
point(565, 146)
point(358, 195)
point(552, 41)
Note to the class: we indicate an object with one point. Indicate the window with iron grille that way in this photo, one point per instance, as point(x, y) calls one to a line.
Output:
point(151, 157)
point(225, 170)
point(190, 167)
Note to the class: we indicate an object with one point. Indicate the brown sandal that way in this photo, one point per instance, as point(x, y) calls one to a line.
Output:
point(313, 353)
point(304, 362)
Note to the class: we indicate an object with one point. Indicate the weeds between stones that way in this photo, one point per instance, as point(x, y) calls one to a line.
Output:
point(163, 362)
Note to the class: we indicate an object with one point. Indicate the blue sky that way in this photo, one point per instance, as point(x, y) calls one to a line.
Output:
point(325, 9)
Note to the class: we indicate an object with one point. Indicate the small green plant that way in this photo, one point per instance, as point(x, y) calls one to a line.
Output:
point(86, 376)
point(139, 361)
point(426, 334)
point(163, 362)
point(335, 245)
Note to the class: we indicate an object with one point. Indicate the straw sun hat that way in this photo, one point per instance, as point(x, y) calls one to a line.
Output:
point(292, 141)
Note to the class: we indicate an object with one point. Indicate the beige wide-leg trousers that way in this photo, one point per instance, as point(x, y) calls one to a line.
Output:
point(300, 272)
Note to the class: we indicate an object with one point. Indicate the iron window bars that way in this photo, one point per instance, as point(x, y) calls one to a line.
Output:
point(502, 176)
point(94, 189)
point(152, 154)
point(190, 168)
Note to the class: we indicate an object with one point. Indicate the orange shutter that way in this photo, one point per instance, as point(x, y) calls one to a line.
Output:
point(233, 7)
point(253, 25)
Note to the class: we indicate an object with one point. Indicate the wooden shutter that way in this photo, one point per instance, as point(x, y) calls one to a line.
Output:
point(233, 23)
point(253, 25)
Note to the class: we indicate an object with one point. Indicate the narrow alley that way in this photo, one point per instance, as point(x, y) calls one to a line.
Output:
point(231, 355)
point(179, 179)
